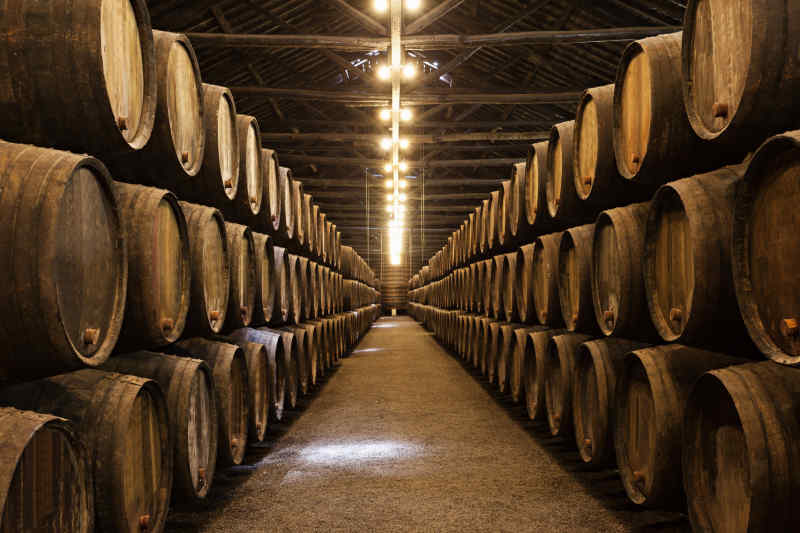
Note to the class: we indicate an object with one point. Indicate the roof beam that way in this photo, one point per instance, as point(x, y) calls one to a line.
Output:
point(378, 163)
point(360, 17)
point(413, 139)
point(427, 42)
point(453, 96)
point(477, 124)
point(431, 16)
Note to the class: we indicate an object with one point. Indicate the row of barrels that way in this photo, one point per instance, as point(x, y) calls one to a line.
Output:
point(681, 104)
point(91, 262)
point(686, 428)
point(706, 262)
point(110, 448)
point(355, 267)
point(145, 112)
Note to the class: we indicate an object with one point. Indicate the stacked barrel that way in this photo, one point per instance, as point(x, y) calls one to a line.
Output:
point(626, 280)
point(166, 298)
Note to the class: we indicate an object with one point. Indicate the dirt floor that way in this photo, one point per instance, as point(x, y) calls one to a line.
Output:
point(403, 437)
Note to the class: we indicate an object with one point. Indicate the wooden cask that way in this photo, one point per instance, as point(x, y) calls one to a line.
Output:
point(311, 351)
point(652, 391)
point(491, 351)
point(296, 290)
point(244, 276)
point(82, 97)
point(740, 437)
point(285, 232)
point(517, 219)
point(653, 141)
point(475, 234)
point(597, 180)
point(314, 304)
point(297, 211)
point(159, 269)
point(302, 363)
point(64, 270)
point(211, 278)
point(123, 422)
point(478, 340)
point(265, 271)
point(305, 287)
point(740, 70)
point(544, 278)
point(229, 368)
point(620, 305)
point(45, 476)
point(282, 308)
point(272, 210)
point(174, 155)
point(498, 286)
point(217, 182)
point(488, 286)
point(308, 227)
point(191, 404)
point(276, 369)
point(687, 261)
point(563, 204)
point(598, 365)
point(510, 288)
point(536, 169)
point(574, 278)
point(323, 243)
point(493, 227)
point(315, 230)
point(258, 393)
point(764, 257)
point(505, 354)
point(486, 218)
point(290, 365)
point(250, 198)
point(329, 244)
point(524, 282)
point(559, 375)
point(520, 350)
point(535, 370)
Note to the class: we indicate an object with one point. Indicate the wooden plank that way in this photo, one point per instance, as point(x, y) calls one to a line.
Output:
point(360, 17)
point(379, 163)
point(413, 139)
point(431, 16)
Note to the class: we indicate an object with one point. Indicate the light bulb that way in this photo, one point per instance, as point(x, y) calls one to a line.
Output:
point(386, 143)
point(386, 114)
point(404, 144)
point(387, 167)
point(381, 5)
point(406, 115)
point(388, 184)
point(389, 208)
point(403, 184)
point(409, 71)
point(402, 197)
point(403, 166)
point(384, 72)
point(413, 5)
point(390, 197)
point(401, 208)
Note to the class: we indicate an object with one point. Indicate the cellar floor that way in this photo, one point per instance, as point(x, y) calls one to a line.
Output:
point(401, 437)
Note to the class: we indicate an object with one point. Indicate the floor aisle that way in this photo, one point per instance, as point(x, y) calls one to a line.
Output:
point(403, 438)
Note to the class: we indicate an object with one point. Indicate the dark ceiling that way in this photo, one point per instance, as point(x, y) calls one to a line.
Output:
point(337, 168)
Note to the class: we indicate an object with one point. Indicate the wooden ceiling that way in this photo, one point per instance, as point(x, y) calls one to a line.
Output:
point(477, 107)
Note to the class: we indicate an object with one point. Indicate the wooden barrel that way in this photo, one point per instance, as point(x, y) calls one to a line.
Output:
point(740, 70)
point(323, 243)
point(265, 270)
point(536, 168)
point(522, 347)
point(597, 179)
point(297, 211)
point(123, 422)
point(111, 107)
point(244, 276)
point(191, 404)
point(498, 286)
point(63, 244)
point(491, 351)
point(544, 277)
point(475, 235)
point(329, 243)
point(290, 365)
point(687, 261)
point(477, 342)
point(174, 155)
point(282, 307)
point(620, 306)
point(534, 371)
point(559, 374)
point(217, 181)
point(302, 362)
point(272, 211)
point(597, 367)
point(276, 369)
point(308, 226)
point(653, 140)
point(251, 197)
point(229, 368)
point(314, 290)
point(306, 295)
point(211, 278)
point(285, 231)
point(510, 288)
point(563, 204)
point(505, 354)
point(258, 393)
point(739, 446)
point(296, 290)
point(45, 476)
point(574, 278)
point(311, 351)
point(524, 281)
point(159, 269)
point(315, 230)
point(764, 259)
point(488, 285)
point(652, 390)
point(517, 220)
point(493, 224)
